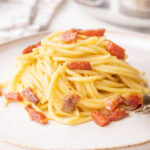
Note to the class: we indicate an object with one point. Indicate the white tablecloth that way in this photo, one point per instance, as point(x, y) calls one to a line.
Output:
point(20, 18)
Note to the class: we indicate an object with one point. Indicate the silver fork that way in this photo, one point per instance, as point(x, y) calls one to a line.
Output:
point(146, 105)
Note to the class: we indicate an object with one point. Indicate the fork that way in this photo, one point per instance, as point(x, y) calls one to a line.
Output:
point(146, 105)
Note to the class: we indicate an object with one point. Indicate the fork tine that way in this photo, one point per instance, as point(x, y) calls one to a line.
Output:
point(146, 99)
point(146, 105)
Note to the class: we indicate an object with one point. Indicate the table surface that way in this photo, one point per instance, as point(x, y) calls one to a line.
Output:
point(71, 15)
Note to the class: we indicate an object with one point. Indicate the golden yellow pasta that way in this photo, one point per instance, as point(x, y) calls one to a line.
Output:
point(82, 69)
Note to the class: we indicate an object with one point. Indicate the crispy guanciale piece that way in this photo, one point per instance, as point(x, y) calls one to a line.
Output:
point(36, 116)
point(111, 105)
point(76, 30)
point(91, 32)
point(30, 48)
point(30, 96)
point(12, 96)
point(100, 118)
point(118, 114)
point(116, 50)
point(70, 102)
point(1, 93)
point(69, 37)
point(79, 66)
point(97, 32)
point(135, 101)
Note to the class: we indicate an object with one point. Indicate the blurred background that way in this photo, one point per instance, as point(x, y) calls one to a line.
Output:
point(20, 18)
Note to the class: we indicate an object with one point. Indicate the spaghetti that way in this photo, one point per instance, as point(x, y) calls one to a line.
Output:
point(74, 77)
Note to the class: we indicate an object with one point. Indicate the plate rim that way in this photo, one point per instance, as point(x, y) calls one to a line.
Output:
point(22, 146)
point(111, 148)
point(133, 34)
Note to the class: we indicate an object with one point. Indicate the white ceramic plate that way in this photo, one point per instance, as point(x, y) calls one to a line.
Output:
point(16, 128)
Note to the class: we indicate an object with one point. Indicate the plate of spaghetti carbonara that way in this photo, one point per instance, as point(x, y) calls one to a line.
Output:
point(75, 89)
